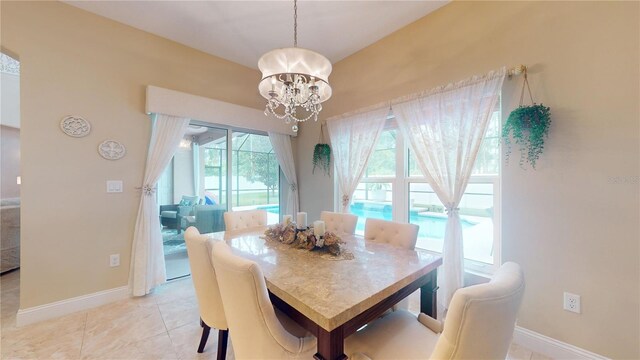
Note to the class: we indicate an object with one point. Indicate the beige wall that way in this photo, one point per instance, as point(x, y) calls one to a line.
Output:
point(9, 162)
point(74, 62)
point(572, 224)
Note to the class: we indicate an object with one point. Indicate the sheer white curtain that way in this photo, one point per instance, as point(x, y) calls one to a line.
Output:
point(282, 147)
point(353, 138)
point(147, 258)
point(195, 152)
point(445, 128)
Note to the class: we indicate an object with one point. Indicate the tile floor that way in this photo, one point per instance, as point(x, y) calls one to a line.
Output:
point(163, 325)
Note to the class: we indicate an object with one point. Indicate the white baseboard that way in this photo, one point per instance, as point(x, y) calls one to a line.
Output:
point(64, 307)
point(551, 347)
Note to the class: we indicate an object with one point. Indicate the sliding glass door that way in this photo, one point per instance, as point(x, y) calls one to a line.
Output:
point(214, 170)
point(256, 175)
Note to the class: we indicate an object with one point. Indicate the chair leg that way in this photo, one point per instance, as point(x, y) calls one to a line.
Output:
point(205, 336)
point(223, 338)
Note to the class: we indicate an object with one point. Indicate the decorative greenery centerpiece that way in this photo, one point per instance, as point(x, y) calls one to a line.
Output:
point(304, 239)
point(322, 154)
point(528, 126)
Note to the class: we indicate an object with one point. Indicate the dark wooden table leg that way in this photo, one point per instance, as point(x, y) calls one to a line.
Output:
point(428, 295)
point(330, 344)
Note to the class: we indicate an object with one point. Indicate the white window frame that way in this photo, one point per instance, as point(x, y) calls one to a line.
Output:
point(473, 266)
point(400, 198)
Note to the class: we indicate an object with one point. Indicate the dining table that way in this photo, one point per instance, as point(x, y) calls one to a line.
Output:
point(334, 296)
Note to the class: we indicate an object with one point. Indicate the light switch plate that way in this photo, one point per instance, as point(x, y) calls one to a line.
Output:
point(114, 186)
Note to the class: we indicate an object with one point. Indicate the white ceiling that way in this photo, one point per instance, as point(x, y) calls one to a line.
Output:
point(241, 31)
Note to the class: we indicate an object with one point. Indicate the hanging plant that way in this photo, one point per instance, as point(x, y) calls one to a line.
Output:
point(322, 154)
point(528, 125)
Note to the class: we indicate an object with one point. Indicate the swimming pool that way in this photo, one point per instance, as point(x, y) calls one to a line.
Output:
point(432, 225)
point(274, 209)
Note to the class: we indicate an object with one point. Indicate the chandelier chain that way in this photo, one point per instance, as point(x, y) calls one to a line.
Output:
point(295, 23)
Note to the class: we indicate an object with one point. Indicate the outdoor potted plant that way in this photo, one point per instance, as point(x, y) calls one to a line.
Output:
point(528, 126)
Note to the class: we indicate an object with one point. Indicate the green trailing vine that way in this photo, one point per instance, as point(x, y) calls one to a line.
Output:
point(322, 155)
point(528, 126)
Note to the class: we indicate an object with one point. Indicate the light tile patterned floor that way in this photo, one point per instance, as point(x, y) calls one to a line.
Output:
point(163, 325)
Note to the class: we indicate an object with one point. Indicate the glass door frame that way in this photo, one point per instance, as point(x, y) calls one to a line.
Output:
point(230, 166)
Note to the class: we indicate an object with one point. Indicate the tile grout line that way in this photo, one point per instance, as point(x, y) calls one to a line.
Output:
point(173, 347)
point(84, 333)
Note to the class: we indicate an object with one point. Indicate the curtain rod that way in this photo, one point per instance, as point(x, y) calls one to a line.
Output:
point(515, 70)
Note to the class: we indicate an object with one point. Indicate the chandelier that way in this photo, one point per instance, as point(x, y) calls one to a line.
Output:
point(295, 81)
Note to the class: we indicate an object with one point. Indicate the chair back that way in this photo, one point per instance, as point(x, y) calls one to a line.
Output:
point(339, 223)
point(255, 330)
point(395, 233)
point(204, 279)
point(481, 318)
point(238, 220)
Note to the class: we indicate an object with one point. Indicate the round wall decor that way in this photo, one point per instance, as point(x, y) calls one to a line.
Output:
point(111, 150)
point(75, 126)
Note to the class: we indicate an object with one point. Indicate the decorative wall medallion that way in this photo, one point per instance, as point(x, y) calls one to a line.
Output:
point(111, 150)
point(75, 126)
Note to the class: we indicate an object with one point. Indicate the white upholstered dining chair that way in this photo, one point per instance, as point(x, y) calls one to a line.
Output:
point(398, 234)
point(479, 325)
point(339, 223)
point(207, 291)
point(240, 220)
point(256, 331)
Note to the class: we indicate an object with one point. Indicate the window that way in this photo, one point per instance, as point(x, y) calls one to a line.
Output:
point(393, 188)
point(373, 197)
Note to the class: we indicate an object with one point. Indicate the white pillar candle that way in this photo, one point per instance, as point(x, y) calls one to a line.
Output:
point(318, 228)
point(302, 220)
point(286, 219)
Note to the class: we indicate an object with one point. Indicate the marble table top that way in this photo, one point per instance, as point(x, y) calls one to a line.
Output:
point(331, 292)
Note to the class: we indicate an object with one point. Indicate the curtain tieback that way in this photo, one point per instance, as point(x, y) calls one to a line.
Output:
point(293, 187)
point(345, 200)
point(450, 209)
point(147, 190)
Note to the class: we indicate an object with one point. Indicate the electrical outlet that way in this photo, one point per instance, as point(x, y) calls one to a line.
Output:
point(114, 260)
point(572, 302)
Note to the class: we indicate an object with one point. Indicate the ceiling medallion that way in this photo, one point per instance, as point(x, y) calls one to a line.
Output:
point(111, 150)
point(295, 81)
point(75, 126)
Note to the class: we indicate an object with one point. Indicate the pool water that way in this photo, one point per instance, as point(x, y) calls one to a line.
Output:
point(274, 209)
point(432, 225)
